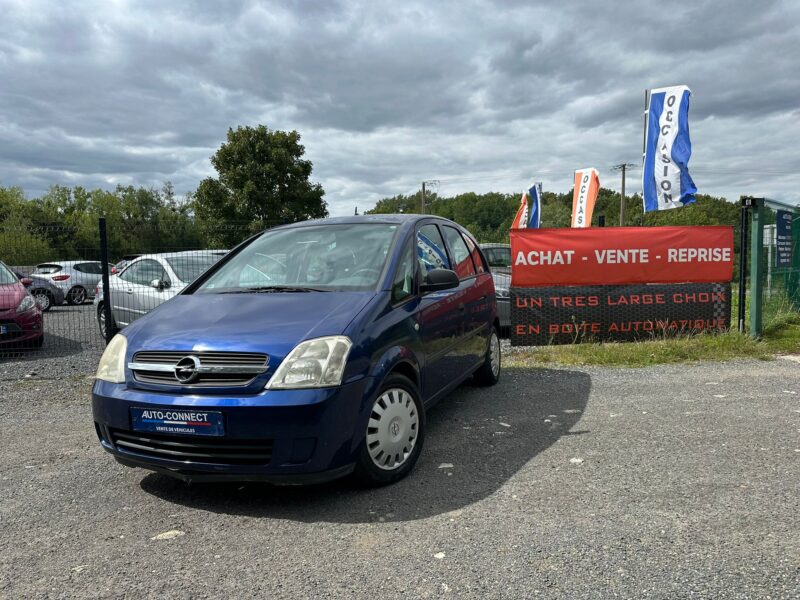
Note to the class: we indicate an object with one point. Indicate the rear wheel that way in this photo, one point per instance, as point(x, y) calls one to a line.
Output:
point(101, 321)
point(76, 295)
point(43, 299)
point(394, 435)
point(489, 373)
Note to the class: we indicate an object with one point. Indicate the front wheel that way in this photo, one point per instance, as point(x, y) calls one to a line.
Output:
point(489, 372)
point(101, 321)
point(394, 434)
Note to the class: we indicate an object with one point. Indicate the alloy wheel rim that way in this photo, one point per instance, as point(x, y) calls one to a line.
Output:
point(102, 318)
point(494, 354)
point(393, 429)
point(43, 300)
point(78, 296)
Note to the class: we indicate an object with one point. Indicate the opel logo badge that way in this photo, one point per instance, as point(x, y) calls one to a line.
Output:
point(187, 369)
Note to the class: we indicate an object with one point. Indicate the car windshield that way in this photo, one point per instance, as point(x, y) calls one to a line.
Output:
point(325, 257)
point(190, 266)
point(6, 276)
point(498, 257)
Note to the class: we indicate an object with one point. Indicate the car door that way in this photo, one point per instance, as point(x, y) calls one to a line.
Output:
point(122, 287)
point(440, 318)
point(144, 296)
point(477, 288)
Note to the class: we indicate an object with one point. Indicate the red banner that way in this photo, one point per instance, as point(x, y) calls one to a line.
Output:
point(621, 255)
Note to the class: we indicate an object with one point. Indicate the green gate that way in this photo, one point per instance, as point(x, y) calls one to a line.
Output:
point(774, 263)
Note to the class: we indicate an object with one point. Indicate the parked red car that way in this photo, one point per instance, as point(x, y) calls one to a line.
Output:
point(20, 317)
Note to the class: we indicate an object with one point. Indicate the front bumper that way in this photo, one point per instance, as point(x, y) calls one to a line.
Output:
point(313, 435)
point(21, 328)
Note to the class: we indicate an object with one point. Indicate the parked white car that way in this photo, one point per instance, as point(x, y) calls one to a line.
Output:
point(148, 281)
point(76, 278)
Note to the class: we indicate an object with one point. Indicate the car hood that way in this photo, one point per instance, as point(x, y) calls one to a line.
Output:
point(11, 295)
point(272, 323)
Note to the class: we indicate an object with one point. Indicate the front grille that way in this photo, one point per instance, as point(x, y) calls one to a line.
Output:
point(194, 449)
point(223, 369)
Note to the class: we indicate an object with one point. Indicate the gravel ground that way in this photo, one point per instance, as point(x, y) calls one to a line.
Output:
point(668, 482)
point(72, 347)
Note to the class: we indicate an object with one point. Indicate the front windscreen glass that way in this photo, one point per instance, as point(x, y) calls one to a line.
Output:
point(344, 257)
point(6, 276)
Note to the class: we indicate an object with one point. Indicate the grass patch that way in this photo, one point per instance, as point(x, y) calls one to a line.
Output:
point(782, 337)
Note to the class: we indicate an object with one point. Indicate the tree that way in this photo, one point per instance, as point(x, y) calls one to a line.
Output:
point(263, 180)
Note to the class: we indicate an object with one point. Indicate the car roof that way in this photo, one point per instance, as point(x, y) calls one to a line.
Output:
point(180, 254)
point(66, 263)
point(391, 219)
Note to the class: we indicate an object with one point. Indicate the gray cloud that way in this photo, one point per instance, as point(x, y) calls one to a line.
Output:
point(478, 94)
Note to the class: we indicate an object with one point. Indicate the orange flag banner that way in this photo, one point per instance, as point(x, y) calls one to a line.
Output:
point(587, 184)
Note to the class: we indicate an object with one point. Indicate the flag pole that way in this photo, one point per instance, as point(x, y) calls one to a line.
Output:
point(644, 143)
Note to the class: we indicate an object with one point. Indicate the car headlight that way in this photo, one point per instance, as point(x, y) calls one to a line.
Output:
point(27, 304)
point(313, 364)
point(502, 292)
point(112, 363)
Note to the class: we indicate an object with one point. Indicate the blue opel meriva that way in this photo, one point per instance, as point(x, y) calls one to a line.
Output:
point(310, 352)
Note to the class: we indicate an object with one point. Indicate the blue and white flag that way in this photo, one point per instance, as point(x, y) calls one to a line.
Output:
point(666, 182)
point(535, 192)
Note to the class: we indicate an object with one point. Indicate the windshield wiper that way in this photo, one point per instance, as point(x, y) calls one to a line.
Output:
point(270, 289)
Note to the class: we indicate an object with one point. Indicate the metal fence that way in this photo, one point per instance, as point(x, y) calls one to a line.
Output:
point(63, 270)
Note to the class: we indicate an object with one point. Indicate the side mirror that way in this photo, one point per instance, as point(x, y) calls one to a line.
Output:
point(26, 281)
point(158, 284)
point(439, 280)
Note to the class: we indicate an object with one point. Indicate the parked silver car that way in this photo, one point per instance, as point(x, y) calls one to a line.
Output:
point(76, 278)
point(148, 281)
point(499, 258)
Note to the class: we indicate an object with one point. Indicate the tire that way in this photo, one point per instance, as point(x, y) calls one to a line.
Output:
point(38, 342)
point(489, 372)
point(394, 434)
point(76, 296)
point(101, 321)
point(43, 299)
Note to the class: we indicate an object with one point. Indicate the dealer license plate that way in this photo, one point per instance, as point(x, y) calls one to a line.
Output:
point(182, 421)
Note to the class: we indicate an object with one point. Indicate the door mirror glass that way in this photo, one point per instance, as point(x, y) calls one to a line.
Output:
point(439, 280)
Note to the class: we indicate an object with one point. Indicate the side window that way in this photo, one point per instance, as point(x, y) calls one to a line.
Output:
point(130, 273)
point(150, 270)
point(460, 253)
point(476, 255)
point(430, 249)
point(403, 284)
point(80, 268)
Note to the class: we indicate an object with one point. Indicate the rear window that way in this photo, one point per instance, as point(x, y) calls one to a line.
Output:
point(47, 269)
point(188, 268)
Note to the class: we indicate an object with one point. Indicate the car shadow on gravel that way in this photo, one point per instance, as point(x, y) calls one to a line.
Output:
point(477, 439)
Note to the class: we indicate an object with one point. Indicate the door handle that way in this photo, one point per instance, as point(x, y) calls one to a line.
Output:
point(128, 291)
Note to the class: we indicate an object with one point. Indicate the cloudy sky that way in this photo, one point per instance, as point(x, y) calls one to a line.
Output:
point(479, 95)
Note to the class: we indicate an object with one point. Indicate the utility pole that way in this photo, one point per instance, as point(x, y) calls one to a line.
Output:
point(622, 167)
point(435, 182)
